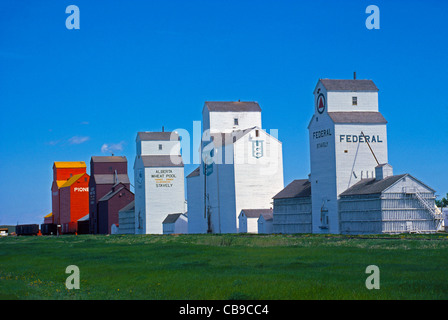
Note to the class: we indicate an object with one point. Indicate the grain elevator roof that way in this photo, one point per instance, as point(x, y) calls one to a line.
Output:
point(233, 106)
point(349, 85)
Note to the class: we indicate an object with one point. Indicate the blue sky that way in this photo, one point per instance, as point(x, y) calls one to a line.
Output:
point(66, 95)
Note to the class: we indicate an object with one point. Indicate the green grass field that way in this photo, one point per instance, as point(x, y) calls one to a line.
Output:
point(218, 267)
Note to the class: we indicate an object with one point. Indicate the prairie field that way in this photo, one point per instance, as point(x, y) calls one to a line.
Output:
point(225, 267)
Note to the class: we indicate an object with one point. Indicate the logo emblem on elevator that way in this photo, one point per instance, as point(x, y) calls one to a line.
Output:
point(321, 103)
point(257, 149)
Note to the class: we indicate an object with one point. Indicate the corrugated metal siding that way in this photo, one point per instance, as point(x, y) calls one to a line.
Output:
point(126, 222)
point(292, 215)
point(402, 212)
point(390, 213)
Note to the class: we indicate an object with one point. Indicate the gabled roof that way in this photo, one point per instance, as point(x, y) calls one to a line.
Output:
point(85, 218)
point(69, 164)
point(108, 159)
point(195, 173)
point(357, 117)
point(296, 189)
point(60, 183)
point(162, 161)
point(110, 178)
point(371, 186)
point(113, 192)
point(255, 213)
point(348, 85)
point(128, 207)
point(172, 218)
point(49, 215)
point(158, 136)
point(72, 180)
point(232, 106)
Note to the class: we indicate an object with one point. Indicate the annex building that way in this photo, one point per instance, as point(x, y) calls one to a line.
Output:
point(351, 187)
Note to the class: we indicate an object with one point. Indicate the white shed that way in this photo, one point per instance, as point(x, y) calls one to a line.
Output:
point(248, 219)
point(175, 223)
point(265, 223)
point(114, 229)
point(445, 218)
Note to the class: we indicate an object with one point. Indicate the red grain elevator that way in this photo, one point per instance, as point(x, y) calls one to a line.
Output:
point(70, 194)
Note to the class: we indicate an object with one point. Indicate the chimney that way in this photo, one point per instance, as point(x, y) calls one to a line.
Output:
point(354, 75)
point(163, 129)
point(383, 171)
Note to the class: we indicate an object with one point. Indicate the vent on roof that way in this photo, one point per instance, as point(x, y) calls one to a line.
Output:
point(383, 171)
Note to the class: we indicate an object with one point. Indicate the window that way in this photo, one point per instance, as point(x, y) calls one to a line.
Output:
point(354, 101)
point(257, 133)
point(160, 147)
point(235, 121)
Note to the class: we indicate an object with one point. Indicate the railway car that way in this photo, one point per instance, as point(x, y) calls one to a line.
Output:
point(27, 230)
point(49, 229)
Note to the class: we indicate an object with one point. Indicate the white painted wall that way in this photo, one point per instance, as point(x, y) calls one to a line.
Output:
point(252, 225)
point(337, 154)
point(195, 196)
point(140, 195)
point(342, 101)
point(163, 200)
point(408, 184)
point(323, 174)
point(245, 183)
point(356, 156)
point(224, 121)
point(178, 227)
point(265, 227)
point(257, 180)
point(168, 147)
point(242, 221)
point(247, 225)
point(158, 191)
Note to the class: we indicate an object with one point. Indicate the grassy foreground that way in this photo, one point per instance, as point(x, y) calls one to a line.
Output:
point(224, 267)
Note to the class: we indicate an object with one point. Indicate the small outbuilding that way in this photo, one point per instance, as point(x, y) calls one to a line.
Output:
point(445, 218)
point(84, 225)
point(265, 223)
point(175, 223)
point(248, 219)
